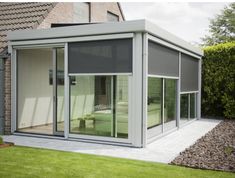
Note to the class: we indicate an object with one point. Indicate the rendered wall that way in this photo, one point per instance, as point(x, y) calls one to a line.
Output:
point(35, 99)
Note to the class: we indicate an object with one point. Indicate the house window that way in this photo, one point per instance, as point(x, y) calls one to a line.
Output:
point(111, 17)
point(81, 12)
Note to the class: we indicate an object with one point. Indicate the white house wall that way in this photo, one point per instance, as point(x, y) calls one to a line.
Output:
point(35, 101)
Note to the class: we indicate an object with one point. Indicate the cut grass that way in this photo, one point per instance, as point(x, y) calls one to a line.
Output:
point(28, 162)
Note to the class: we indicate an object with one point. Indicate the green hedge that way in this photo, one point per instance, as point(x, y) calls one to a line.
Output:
point(218, 81)
point(1, 140)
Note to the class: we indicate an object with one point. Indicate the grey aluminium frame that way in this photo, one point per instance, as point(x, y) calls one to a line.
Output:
point(145, 89)
point(42, 44)
point(137, 84)
point(197, 96)
point(130, 140)
point(14, 89)
point(66, 92)
point(141, 31)
point(197, 93)
point(14, 79)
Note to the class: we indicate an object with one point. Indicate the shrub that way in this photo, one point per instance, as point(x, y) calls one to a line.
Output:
point(1, 140)
point(218, 80)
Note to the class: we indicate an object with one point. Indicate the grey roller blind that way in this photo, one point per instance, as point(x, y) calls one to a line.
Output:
point(105, 56)
point(162, 60)
point(189, 73)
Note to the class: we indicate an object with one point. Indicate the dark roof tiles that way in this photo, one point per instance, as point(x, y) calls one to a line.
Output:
point(18, 16)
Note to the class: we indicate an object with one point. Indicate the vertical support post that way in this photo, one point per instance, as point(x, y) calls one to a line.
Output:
point(195, 105)
point(14, 89)
point(178, 94)
point(189, 105)
point(114, 105)
point(66, 93)
point(199, 89)
point(145, 88)
point(163, 103)
point(137, 92)
point(54, 62)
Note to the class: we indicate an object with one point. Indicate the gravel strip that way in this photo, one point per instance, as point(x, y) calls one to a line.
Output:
point(215, 150)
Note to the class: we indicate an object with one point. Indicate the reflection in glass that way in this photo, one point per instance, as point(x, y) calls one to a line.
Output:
point(122, 106)
point(60, 90)
point(154, 102)
point(187, 107)
point(99, 106)
point(192, 105)
point(184, 106)
point(170, 104)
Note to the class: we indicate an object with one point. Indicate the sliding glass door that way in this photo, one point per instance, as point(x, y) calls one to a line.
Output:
point(169, 104)
point(99, 105)
point(161, 105)
point(155, 104)
point(40, 91)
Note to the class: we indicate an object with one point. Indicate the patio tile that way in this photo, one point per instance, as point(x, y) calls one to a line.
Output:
point(163, 150)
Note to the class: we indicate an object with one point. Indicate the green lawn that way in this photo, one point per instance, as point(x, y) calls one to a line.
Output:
point(30, 162)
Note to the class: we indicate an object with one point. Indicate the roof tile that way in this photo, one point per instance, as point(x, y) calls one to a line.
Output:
point(18, 16)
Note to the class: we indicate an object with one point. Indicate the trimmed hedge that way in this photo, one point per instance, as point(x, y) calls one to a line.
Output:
point(218, 80)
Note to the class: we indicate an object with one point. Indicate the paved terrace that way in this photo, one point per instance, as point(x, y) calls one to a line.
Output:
point(162, 150)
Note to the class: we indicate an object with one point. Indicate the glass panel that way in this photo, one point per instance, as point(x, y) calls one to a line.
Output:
point(187, 107)
point(81, 12)
point(184, 104)
point(122, 106)
point(154, 102)
point(99, 105)
point(112, 17)
point(170, 104)
point(60, 90)
point(35, 91)
point(192, 105)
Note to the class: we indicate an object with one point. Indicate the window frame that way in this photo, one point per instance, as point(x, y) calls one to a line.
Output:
point(188, 94)
point(113, 15)
point(104, 138)
point(151, 132)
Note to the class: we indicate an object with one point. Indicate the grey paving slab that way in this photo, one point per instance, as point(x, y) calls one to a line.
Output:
point(163, 150)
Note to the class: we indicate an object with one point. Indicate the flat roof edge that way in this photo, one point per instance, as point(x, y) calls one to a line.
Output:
point(158, 32)
point(103, 29)
point(71, 31)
